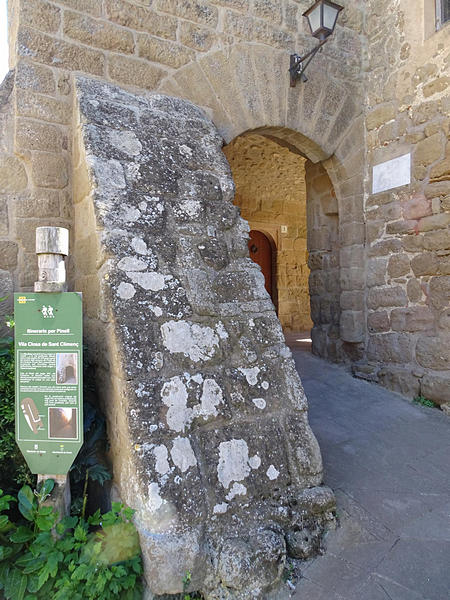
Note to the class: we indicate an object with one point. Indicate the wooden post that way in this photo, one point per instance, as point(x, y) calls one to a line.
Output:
point(52, 246)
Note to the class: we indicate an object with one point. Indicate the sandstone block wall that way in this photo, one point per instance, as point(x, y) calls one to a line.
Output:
point(407, 228)
point(206, 414)
point(271, 192)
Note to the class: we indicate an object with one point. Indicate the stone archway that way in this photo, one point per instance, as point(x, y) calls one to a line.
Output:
point(245, 89)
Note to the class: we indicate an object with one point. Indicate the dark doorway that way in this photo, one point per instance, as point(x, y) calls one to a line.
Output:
point(260, 250)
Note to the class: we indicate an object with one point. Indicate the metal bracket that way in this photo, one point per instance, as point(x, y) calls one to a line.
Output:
point(299, 64)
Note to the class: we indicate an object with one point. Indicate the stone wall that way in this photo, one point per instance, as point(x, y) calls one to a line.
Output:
point(324, 262)
point(271, 192)
point(206, 414)
point(407, 229)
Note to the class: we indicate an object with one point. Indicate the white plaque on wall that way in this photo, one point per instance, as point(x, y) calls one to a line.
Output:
point(391, 174)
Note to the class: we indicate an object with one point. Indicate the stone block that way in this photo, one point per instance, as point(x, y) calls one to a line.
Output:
point(376, 271)
point(415, 318)
point(351, 256)
point(385, 247)
point(352, 279)
point(412, 242)
point(434, 352)
point(352, 326)
point(58, 53)
point(437, 240)
point(401, 381)
point(385, 212)
point(43, 108)
point(386, 297)
point(4, 219)
point(428, 150)
point(414, 290)
point(390, 347)
point(34, 135)
point(92, 7)
point(193, 10)
point(416, 207)
point(436, 86)
point(99, 34)
point(13, 176)
point(378, 322)
point(379, 116)
point(8, 255)
point(134, 72)
point(141, 18)
point(269, 10)
point(42, 203)
point(439, 292)
point(425, 264)
point(401, 226)
point(352, 300)
point(163, 51)
point(437, 189)
point(49, 170)
point(374, 231)
point(35, 77)
point(40, 15)
point(351, 234)
point(398, 265)
point(197, 37)
point(441, 171)
point(436, 388)
point(433, 222)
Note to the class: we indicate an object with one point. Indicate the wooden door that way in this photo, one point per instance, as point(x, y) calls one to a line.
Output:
point(261, 252)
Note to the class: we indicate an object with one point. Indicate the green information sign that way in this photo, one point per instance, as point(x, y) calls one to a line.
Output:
point(49, 379)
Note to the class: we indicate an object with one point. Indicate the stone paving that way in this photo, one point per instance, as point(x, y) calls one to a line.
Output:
point(388, 463)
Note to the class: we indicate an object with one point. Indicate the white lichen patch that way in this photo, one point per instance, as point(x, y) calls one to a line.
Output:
point(265, 385)
point(154, 499)
point(254, 462)
point(272, 473)
point(156, 310)
point(129, 214)
point(126, 141)
point(174, 395)
point(126, 290)
point(251, 375)
point(195, 341)
point(109, 173)
point(161, 463)
point(233, 462)
point(189, 207)
point(220, 509)
point(259, 403)
point(210, 399)
point(139, 246)
point(221, 331)
point(149, 281)
point(237, 489)
point(182, 454)
point(185, 150)
point(131, 263)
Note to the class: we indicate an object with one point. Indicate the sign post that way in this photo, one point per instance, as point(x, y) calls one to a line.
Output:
point(49, 368)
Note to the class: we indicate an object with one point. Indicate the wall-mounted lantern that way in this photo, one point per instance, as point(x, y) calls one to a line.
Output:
point(322, 18)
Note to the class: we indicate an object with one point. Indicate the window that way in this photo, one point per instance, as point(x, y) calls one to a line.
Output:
point(442, 12)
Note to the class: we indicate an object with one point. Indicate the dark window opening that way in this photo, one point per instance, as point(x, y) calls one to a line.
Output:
point(443, 12)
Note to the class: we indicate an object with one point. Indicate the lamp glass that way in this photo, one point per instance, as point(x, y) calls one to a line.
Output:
point(314, 19)
point(330, 14)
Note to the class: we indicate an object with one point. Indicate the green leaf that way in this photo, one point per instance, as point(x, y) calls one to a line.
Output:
point(5, 551)
point(22, 534)
point(27, 502)
point(4, 523)
point(45, 523)
point(47, 487)
point(16, 585)
point(80, 533)
point(45, 510)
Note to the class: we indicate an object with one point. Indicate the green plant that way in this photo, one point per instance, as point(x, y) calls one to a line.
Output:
point(186, 583)
point(94, 559)
point(425, 402)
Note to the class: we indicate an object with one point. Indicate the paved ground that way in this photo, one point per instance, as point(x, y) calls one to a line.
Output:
point(389, 464)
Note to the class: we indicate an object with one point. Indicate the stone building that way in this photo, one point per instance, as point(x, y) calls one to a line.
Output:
point(311, 166)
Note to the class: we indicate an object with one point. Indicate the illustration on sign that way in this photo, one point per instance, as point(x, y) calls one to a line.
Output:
point(48, 350)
